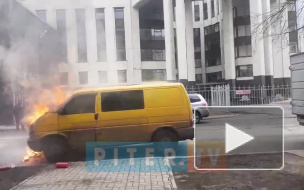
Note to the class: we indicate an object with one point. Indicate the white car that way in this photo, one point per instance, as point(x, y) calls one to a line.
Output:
point(200, 105)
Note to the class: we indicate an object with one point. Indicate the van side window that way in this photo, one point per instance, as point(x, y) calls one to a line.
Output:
point(80, 104)
point(122, 101)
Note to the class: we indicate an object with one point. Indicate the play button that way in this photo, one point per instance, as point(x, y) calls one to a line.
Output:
point(240, 138)
point(235, 138)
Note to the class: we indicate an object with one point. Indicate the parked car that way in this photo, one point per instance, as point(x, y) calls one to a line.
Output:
point(141, 113)
point(200, 106)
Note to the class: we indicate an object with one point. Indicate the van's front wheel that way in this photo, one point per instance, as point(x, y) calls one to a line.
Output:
point(55, 149)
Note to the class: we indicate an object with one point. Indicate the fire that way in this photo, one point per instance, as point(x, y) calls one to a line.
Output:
point(44, 101)
point(39, 110)
point(30, 154)
point(40, 103)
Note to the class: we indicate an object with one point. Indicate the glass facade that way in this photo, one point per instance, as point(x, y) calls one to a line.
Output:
point(153, 75)
point(83, 78)
point(101, 34)
point(197, 47)
point(81, 35)
point(152, 33)
point(120, 34)
point(242, 28)
point(214, 77)
point(244, 71)
point(122, 76)
point(61, 29)
point(41, 14)
point(213, 45)
point(196, 11)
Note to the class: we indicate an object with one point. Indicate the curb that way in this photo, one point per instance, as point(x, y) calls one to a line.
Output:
point(220, 117)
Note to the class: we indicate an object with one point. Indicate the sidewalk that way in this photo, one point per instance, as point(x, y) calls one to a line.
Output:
point(76, 177)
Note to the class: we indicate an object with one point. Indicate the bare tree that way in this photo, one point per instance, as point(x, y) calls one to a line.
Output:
point(284, 18)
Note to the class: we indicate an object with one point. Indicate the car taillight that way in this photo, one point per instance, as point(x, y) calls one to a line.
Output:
point(205, 104)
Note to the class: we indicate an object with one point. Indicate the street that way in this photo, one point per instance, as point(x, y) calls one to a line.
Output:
point(13, 149)
point(13, 143)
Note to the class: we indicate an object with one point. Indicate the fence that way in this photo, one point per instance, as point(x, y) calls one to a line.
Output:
point(224, 95)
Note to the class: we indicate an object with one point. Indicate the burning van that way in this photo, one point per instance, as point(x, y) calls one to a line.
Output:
point(141, 113)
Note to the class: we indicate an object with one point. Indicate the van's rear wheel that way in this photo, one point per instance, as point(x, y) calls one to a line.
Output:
point(165, 139)
point(55, 149)
point(165, 136)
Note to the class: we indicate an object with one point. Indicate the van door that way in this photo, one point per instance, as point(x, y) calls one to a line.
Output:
point(122, 117)
point(78, 120)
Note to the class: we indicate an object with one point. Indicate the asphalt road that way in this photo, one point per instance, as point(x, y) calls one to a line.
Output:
point(13, 143)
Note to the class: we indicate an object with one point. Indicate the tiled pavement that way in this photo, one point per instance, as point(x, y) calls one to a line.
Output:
point(77, 177)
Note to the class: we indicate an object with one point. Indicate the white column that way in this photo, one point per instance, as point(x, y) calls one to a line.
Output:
point(111, 45)
point(190, 41)
point(91, 35)
point(228, 34)
point(268, 42)
point(71, 36)
point(181, 40)
point(257, 38)
point(169, 40)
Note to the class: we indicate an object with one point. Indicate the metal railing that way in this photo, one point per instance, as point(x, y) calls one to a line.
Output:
point(224, 95)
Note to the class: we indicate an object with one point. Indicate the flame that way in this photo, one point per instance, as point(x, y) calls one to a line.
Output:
point(30, 154)
point(45, 101)
point(40, 103)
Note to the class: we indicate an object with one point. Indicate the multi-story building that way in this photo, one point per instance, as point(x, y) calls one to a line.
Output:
point(109, 42)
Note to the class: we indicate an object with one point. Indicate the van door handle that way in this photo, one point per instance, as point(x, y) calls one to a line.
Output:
point(96, 116)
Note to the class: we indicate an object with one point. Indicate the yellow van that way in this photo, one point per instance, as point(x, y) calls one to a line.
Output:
point(141, 113)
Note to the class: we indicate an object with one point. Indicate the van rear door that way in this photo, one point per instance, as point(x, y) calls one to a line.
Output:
point(297, 79)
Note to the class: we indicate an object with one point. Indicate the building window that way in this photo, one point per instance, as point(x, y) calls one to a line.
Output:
point(153, 75)
point(120, 34)
point(61, 29)
point(205, 6)
point(243, 30)
point(243, 51)
point(81, 35)
point(122, 101)
point(152, 34)
point(83, 78)
point(218, 6)
point(197, 47)
point(153, 55)
point(212, 9)
point(244, 71)
point(41, 14)
point(199, 78)
point(101, 34)
point(103, 77)
point(212, 45)
point(196, 11)
point(122, 76)
point(214, 77)
point(64, 78)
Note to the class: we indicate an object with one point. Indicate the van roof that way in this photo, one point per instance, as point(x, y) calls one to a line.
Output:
point(133, 87)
